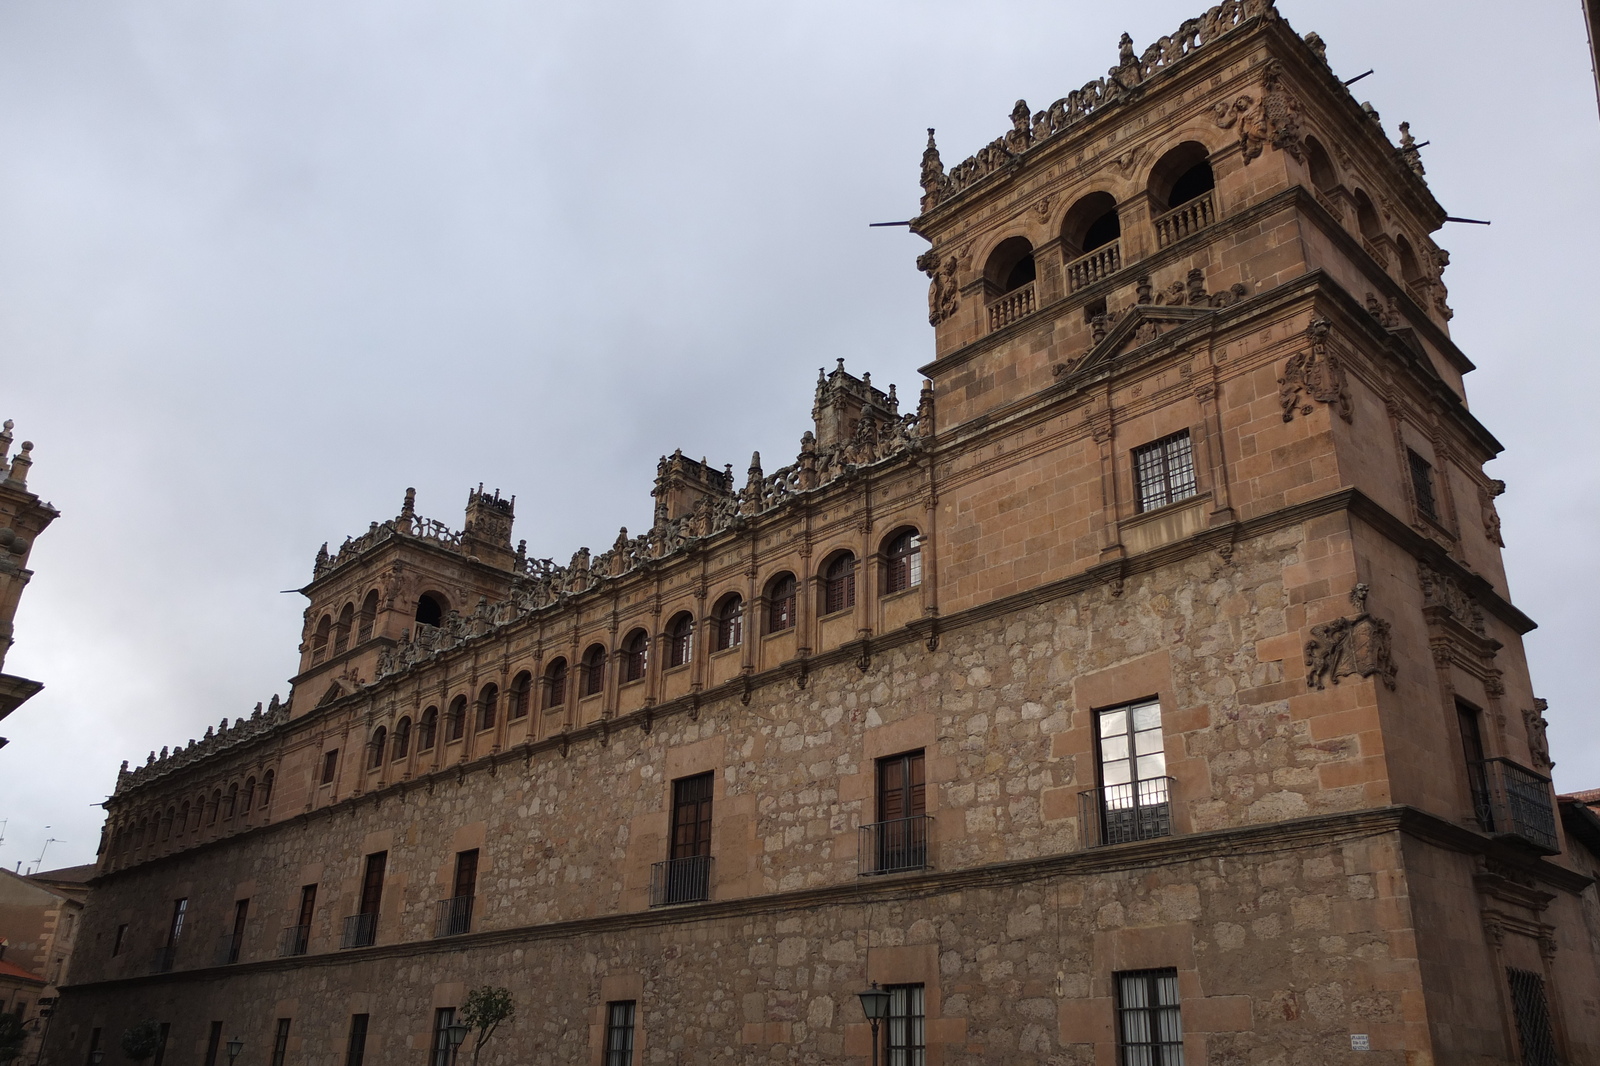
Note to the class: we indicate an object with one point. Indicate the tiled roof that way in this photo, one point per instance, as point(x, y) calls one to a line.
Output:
point(11, 969)
point(1588, 796)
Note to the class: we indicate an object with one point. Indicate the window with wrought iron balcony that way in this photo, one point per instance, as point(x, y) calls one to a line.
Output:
point(1091, 240)
point(1183, 187)
point(1509, 801)
point(296, 939)
point(1009, 281)
point(1134, 800)
point(685, 876)
point(361, 928)
point(455, 913)
point(901, 838)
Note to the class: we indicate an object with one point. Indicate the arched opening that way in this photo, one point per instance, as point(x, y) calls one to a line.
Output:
point(369, 615)
point(319, 639)
point(166, 823)
point(430, 609)
point(183, 818)
point(1181, 175)
point(635, 656)
point(680, 639)
point(1367, 216)
point(1090, 224)
point(341, 630)
point(839, 584)
point(1320, 166)
point(400, 746)
point(902, 561)
point(521, 686)
point(593, 679)
point(266, 789)
point(230, 802)
point(488, 706)
point(214, 807)
point(1410, 268)
point(1010, 266)
point(456, 719)
point(729, 615)
point(378, 748)
point(247, 800)
point(555, 683)
point(428, 729)
point(780, 603)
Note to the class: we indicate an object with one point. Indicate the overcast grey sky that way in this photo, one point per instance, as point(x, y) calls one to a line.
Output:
point(264, 265)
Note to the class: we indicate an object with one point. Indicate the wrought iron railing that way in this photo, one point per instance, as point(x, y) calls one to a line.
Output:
point(686, 880)
point(1100, 263)
point(1018, 303)
point(1117, 814)
point(455, 916)
point(360, 931)
point(1512, 801)
point(894, 845)
point(294, 940)
point(1190, 217)
point(228, 949)
point(164, 958)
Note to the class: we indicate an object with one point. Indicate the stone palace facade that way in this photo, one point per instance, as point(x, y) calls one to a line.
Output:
point(1145, 690)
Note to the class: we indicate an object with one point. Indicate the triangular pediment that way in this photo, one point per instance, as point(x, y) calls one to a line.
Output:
point(1137, 326)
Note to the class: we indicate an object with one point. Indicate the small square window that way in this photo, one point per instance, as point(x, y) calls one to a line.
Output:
point(1163, 471)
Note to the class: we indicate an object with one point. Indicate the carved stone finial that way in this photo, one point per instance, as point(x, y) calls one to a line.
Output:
point(1410, 151)
point(1319, 48)
point(409, 508)
point(933, 180)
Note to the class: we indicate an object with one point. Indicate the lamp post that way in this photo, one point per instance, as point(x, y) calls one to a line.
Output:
point(454, 1035)
point(234, 1047)
point(875, 1005)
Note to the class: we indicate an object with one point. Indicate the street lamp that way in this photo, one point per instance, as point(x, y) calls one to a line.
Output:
point(875, 1005)
point(454, 1035)
point(234, 1047)
point(97, 1056)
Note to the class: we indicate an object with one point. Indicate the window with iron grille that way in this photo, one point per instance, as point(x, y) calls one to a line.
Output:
point(839, 585)
point(905, 1028)
point(780, 603)
point(730, 622)
point(619, 1033)
point(1422, 484)
point(903, 562)
point(356, 1052)
point(1149, 1028)
point(680, 640)
point(1532, 1010)
point(635, 656)
point(1163, 471)
point(443, 1019)
point(280, 1042)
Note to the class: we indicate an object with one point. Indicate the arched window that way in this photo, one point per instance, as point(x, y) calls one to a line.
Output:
point(341, 631)
point(458, 718)
point(247, 801)
point(377, 748)
point(680, 639)
point(839, 584)
point(199, 812)
point(1410, 269)
point(780, 603)
point(521, 686)
point(1090, 224)
point(1367, 216)
point(166, 823)
point(488, 706)
point(430, 609)
point(266, 789)
point(214, 808)
point(593, 680)
point(555, 683)
point(428, 729)
point(635, 656)
point(729, 617)
point(183, 818)
point(401, 745)
point(902, 561)
point(319, 640)
point(1010, 265)
point(1323, 175)
point(369, 615)
point(230, 802)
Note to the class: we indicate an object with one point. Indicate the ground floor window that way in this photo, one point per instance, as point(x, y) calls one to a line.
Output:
point(1532, 1011)
point(619, 1033)
point(1149, 1030)
point(904, 1035)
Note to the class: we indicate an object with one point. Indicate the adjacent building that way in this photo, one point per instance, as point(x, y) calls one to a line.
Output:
point(1146, 689)
point(23, 516)
point(39, 919)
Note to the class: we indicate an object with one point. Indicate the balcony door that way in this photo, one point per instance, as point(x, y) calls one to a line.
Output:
point(1134, 793)
point(688, 873)
point(902, 804)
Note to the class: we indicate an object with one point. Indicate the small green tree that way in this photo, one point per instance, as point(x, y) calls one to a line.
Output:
point(11, 1036)
point(486, 1007)
point(142, 1041)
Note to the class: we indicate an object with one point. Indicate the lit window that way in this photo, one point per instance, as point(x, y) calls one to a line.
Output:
point(730, 623)
point(839, 585)
point(904, 562)
point(780, 603)
point(680, 640)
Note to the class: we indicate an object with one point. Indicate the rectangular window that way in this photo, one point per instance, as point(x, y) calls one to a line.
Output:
point(455, 913)
point(1134, 800)
point(372, 883)
point(904, 1035)
point(1422, 484)
point(466, 873)
point(116, 941)
point(899, 840)
point(241, 921)
point(1477, 772)
point(308, 906)
point(161, 1044)
point(1163, 471)
point(330, 764)
point(686, 875)
point(1149, 1029)
point(94, 1045)
point(180, 907)
point(280, 1042)
point(443, 1019)
point(213, 1043)
point(357, 1050)
point(619, 1033)
point(1532, 1010)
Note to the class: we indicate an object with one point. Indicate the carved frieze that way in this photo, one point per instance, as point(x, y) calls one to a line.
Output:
point(1442, 590)
point(943, 292)
point(1314, 374)
point(1344, 647)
